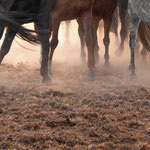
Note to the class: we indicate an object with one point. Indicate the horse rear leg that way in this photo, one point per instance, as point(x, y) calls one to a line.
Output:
point(44, 40)
point(87, 25)
point(133, 26)
point(82, 41)
point(95, 24)
point(54, 41)
point(114, 26)
point(106, 40)
point(144, 54)
point(9, 36)
point(123, 33)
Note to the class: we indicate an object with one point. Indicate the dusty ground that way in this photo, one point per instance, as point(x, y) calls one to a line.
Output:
point(71, 113)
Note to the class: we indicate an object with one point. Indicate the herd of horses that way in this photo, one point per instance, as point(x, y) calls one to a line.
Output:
point(48, 14)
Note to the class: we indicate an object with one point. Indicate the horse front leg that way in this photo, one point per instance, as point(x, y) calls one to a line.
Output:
point(144, 54)
point(106, 40)
point(44, 41)
point(54, 41)
point(95, 23)
point(9, 36)
point(114, 28)
point(87, 25)
point(82, 41)
point(123, 34)
point(133, 26)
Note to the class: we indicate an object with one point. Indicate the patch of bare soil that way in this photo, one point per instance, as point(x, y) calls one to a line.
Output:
point(70, 113)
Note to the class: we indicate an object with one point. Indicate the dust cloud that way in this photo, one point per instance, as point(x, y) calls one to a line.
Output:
point(67, 55)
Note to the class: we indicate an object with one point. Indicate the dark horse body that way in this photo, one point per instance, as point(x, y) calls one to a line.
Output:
point(37, 11)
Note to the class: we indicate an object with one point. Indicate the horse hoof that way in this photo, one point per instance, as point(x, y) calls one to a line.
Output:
point(133, 76)
point(96, 60)
point(50, 73)
point(118, 52)
point(83, 63)
point(46, 80)
point(90, 77)
point(107, 65)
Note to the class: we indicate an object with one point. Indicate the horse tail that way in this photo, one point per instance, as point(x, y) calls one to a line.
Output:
point(144, 35)
point(22, 32)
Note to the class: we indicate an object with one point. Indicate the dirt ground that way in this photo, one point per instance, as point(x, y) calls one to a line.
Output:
point(70, 113)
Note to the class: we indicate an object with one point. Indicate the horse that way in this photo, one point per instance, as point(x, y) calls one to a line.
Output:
point(37, 11)
point(69, 10)
point(138, 11)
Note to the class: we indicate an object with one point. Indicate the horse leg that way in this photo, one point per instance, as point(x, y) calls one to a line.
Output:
point(82, 41)
point(9, 36)
point(95, 24)
point(44, 40)
point(87, 26)
point(106, 40)
point(137, 48)
point(54, 41)
point(114, 26)
point(123, 4)
point(123, 35)
point(144, 54)
point(133, 26)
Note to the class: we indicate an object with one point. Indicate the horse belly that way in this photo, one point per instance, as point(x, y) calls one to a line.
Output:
point(71, 9)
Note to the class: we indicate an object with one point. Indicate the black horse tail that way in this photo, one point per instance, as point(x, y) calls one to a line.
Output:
point(22, 32)
point(144, 35)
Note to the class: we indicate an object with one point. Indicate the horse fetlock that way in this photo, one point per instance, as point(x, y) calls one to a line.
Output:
point(106, 57)
point(132, 67)
point(90, 77)
point(46, 79)
point(97, 58)
point(132, 75)
point(119, 52)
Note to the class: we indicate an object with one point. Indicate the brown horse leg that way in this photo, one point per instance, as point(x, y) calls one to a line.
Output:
point(123, 33)
point(82, 40)
point(95, 24)
point(106, 40)
point(137, 47)
point(144, 54)
point(54, 41)
point(114, 27)
point(87, 25)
